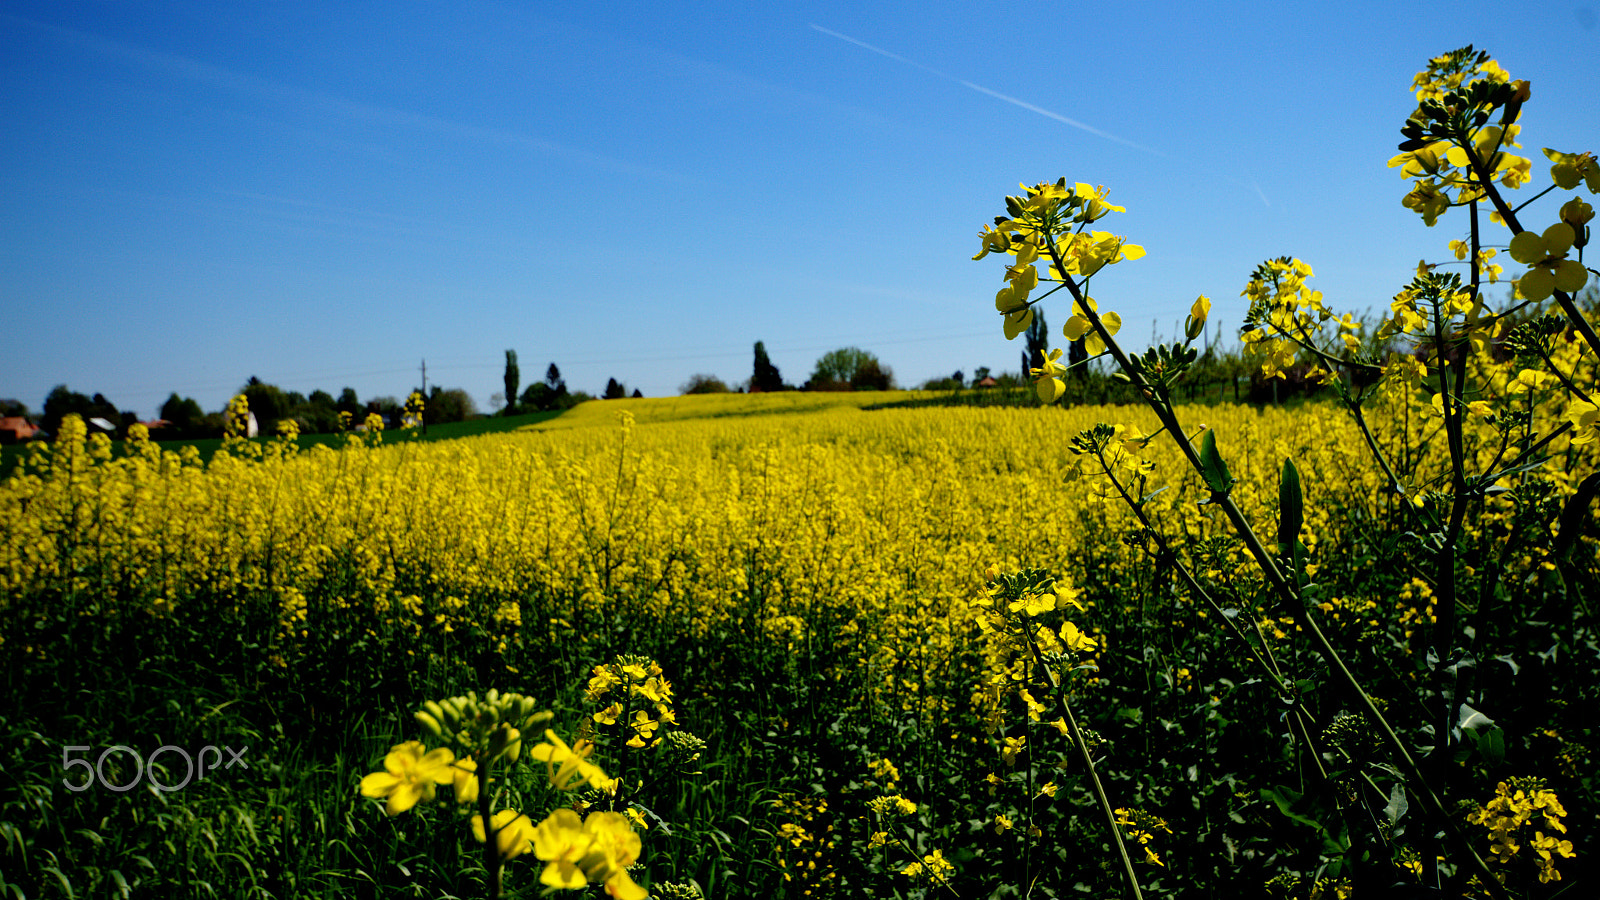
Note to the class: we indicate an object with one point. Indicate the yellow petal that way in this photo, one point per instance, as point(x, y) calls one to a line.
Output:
point(1558, 238)
point(1018, 322)
point(1111, 322)
point(378, 784)
point(1570, 275)
point(1527, 248)
point(1537, 284)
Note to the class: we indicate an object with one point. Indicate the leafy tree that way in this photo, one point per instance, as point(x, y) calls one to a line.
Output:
point(704, 384)
point(348, 402)
point(615, 390)
point(872, 376)
point(187, 419)
point(538, 397)
point(513, 377)
point(10, 406)
point(552, 378)
point(61, 402)
point(448, 405)
point(101, 408)
point(850, 368)
point(765, 377)
point(979, 374)
point(268, 402)
point(319, 414)
point(636, 394)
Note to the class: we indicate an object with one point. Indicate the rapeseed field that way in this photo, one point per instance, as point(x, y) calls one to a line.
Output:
point(816, 645)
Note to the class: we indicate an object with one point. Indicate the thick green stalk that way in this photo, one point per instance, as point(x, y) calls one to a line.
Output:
point(491, 844)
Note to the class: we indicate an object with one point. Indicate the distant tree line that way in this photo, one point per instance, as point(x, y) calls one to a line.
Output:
point(182, 417)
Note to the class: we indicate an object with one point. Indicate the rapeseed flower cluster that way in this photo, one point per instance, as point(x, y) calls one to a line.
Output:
point(1513, 808)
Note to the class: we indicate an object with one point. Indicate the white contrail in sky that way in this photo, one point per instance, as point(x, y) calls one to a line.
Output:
point(1022, 103)
point(992, 93)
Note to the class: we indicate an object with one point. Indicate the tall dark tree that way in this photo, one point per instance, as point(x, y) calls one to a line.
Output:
point(513, 378)
point(765, 377)
point(349, 402)
point(615, 390)
point(553, 379)
point(1077, 353)
point(185, 415)
point(61, 402)
point(1038, 336)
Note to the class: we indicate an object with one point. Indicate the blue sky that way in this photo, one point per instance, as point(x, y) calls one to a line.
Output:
point(325, 194)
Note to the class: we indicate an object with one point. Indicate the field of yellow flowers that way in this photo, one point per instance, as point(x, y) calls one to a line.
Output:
point(808, 575)
point(803, 645)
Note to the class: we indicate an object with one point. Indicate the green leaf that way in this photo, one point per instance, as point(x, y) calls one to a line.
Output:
point(1212, 468)
point(1291, 507)
point(1472, 720)
point(1397, 804)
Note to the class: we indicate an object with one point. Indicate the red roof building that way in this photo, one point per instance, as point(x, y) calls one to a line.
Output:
point(16, 429)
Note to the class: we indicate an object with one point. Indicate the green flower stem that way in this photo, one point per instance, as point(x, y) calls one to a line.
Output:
point(1354, 406)
point(1444, 626)
point(1290, 595)
point(491, 846)
point(1094, 778)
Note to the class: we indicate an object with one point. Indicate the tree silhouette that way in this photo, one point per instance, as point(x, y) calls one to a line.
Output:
point(513, 377)
point(1038, 337)
point(765, 377)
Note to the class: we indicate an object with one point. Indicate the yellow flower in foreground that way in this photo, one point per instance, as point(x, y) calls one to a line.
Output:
point(1546, 255)
point(1049, 385)
point(568, 766)
point(464, 778)
point(1571, 168)
point(1585, 418)
point(513, 833)
point(1079, 326)
point(412, 773)
point(599, 848)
